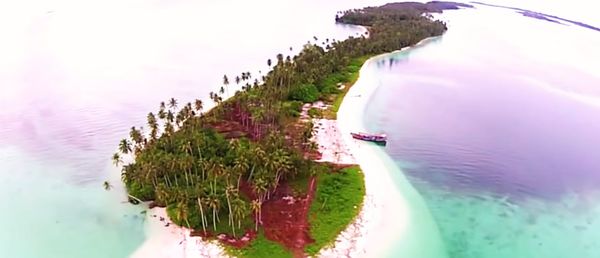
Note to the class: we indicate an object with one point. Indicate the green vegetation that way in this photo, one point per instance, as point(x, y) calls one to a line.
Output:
point(259, 248)
point(306, 93)
point(213, 171)
point(336, 204)
point(314, 113)
point(292, 108)
point(351, 76)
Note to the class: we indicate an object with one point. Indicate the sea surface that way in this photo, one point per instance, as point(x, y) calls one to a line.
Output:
point(76, 75)
point(497, 126)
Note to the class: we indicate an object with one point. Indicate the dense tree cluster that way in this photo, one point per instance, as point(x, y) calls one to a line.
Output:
point(185, 162)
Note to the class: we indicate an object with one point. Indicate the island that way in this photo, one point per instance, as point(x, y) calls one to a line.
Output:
point(264, 171)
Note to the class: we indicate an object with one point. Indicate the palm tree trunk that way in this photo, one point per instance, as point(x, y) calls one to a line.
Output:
point(230, 215)
point(214, 220)
point(135, 198)
point(256, 220)
point(202, 215)
point(251, 172)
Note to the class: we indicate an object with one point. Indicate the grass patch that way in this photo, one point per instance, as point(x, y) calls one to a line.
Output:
point(259, 248)
point(337, 202)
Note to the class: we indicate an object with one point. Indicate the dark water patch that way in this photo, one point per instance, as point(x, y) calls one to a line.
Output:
point(538, 16)
point(542, 16)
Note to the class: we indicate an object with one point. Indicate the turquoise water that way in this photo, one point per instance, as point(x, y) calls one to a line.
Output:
point(76, 75)
point(496, 125)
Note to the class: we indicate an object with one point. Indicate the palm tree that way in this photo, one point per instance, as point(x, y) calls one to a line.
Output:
point(241, 166)
point(170, 116)
point(261, 186)
point(256, 208)
point(279, 162)
point(257, 158)
point(202, 216)
point(153, 124)
point(239, 210)
point(136, 136)
point(214, 204)
point(182, 211)
point(229, 192)
point(116, 158)
point(124, 146)
point(173, 103)
point(107, 186)
point(213, 97)
point(198, 106)
point(169, 129)
point(162, 114)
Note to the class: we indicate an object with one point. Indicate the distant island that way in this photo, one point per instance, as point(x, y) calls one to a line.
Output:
point(248, 172)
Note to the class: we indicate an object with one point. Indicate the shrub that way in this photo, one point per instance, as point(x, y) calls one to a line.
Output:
point(292, 108)
point(314, 112)
point(306, 93)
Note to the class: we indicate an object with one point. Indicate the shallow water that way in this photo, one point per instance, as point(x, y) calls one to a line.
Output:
point(76, 75)
point(496, 125)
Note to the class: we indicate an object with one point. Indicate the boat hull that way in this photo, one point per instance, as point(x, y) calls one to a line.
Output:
point(379, 139)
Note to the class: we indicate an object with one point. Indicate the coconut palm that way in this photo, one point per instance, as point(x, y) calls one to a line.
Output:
point(153, 125)
point(214, 203)
point(124, 146)
point(202, 215)
point(162, 114)
point(173, 103)
point(198, 106)
point(240, 210)
point(107, 186)
point(230, 192)
point(256, 207)
point(116, 158)
point(226, 83)
point(182, 211)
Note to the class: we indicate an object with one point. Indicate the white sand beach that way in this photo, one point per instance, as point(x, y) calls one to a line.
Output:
point(173, 241)
point(357, 239)
point(327, 136)
point(391, 215)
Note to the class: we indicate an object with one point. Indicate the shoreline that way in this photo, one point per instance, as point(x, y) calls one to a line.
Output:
point(165, 240)
point(413, 231)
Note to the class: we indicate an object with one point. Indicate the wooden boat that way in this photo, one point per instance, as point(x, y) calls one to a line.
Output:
point(378, 138)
